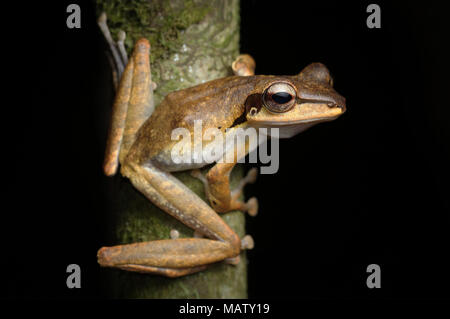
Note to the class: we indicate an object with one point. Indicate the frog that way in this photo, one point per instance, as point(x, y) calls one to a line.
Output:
point(140, 142)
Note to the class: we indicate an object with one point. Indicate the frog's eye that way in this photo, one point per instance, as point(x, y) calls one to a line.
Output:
point(279, 97)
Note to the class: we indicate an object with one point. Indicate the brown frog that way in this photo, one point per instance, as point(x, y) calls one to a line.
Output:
point(142, 142)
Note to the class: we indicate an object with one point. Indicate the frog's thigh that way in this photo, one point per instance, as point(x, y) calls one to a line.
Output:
point(162, 256)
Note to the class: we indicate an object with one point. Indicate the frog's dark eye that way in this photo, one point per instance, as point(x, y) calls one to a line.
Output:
point(279, 97)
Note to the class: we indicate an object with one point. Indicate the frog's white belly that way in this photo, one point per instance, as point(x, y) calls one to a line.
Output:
point(189, 154)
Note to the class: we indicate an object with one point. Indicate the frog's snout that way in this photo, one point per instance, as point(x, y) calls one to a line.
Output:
point(339, 102)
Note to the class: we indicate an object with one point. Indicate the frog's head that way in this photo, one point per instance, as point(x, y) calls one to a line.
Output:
point(295, 103)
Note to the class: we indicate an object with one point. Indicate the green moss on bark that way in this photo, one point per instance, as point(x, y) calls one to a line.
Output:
point(190, 44)
point(161, 22)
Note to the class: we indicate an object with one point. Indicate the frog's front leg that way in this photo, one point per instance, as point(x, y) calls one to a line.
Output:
point(217, 180)
point(217, 188)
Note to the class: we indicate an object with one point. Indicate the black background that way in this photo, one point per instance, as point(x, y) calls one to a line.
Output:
point(370, 187)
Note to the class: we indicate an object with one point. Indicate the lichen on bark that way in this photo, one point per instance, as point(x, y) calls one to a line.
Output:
point(192, 42)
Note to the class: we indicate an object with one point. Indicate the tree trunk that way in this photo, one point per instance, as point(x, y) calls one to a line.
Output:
point(192, 42)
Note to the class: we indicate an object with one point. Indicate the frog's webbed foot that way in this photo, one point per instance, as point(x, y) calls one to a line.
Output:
point(221, 198)
point(247, 243)
point(251, 206)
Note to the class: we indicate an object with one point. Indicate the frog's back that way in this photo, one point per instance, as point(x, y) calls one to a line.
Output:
point(216, 103)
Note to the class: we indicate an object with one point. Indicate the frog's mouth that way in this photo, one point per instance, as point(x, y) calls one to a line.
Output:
point(292, 128)
point(297, 120)
point(303, 113)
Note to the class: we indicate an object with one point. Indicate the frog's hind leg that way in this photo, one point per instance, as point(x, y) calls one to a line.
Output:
point(137, 257)
point(173, 257)
point(132, 106)
point(169, 257)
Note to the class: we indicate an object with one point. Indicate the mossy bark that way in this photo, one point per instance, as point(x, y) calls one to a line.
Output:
point(192, 42)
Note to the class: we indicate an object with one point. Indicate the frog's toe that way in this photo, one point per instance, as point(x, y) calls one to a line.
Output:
point(251, 175)
point(247, 242)
point(174, 234)
point(244, 65)
point(252, 206)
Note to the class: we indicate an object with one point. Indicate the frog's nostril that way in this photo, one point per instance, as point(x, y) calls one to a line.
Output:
point(253, 111)
point(341, 106)
point(338, 105)
point(337, 102)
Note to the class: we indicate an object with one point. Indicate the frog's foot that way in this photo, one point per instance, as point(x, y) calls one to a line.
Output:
point(220, 197)
point(171, 258)
point(247, 243)
point(251, 206)
point(244, 65)
point(174, 234)
point(117, 53)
